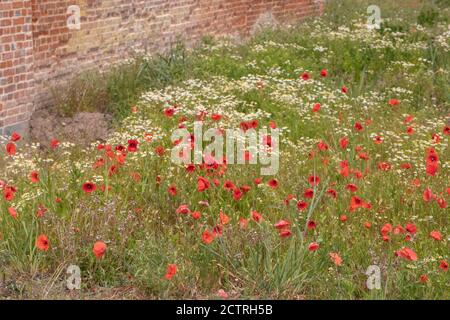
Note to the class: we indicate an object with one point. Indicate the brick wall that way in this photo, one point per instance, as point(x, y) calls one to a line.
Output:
point(16, 64)
point(38, 49)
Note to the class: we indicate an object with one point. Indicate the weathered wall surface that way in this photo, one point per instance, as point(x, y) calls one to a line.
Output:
point(16, 64)
point(38, 49)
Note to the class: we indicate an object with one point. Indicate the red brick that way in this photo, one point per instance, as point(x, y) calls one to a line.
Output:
point(37, 49)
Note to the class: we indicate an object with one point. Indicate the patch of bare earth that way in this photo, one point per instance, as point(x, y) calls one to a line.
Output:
point(82, 129)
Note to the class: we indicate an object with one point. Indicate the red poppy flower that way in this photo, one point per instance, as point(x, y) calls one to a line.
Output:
point(273, 183)
point(358, 126)
point(99, 249)
point(311, 225)
point(394, 102)
point(367, 205)
point(367, 225)
point(436, 235)
point(443, 265)
point(148, 137)
point(41, 211)
point(282, 224)
point(427, 195)
point(12, 212)
point(302, 205)
point(183, 209)
point(112, 170)
point(384, 166)
point(406, 253)
point(244, 126)
point(313, 246)
point(54, 143)
point(34, 177)
point(196, 215)
point(344, 169)
point(136, 176)
point(410, 131)
point(202, 184)
point(256, 216)
point(351, 187)
point(436, 138)
point(42, 242)
point(316, 107)
point(237, 194)
point(11, 148)
point(442, 203)
point(171, 271)
point(343, 142)
point(9, 193)
point(224, 219)
point(355, 203)
point(272, 124)
point(15, 137)
point(336, 258)
point(222, 294)
point(121, 158)
point(98, 164)
point(411, 228)
point(344, 89)
point(207, 237)
point(89, 187)
point(378, 140)
point(133, 145)
point(169, 112)
point(408, 119)
point(216, 117)
point(305, 76)
point(172, 190)
point(386, 229)
point(322, 146)
point(159, 150)
point(228, 185)
point(423, 278)
point(406, 166)
point(254, 124)
point(332, 193)
point(432, 162)
point(243, 223)
point(313, 180)
point(343, 218)
point(447, 130)
point(398, 230)
point(323, 73)
point(309, 193)
point(120, 148)
point(285, 233)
